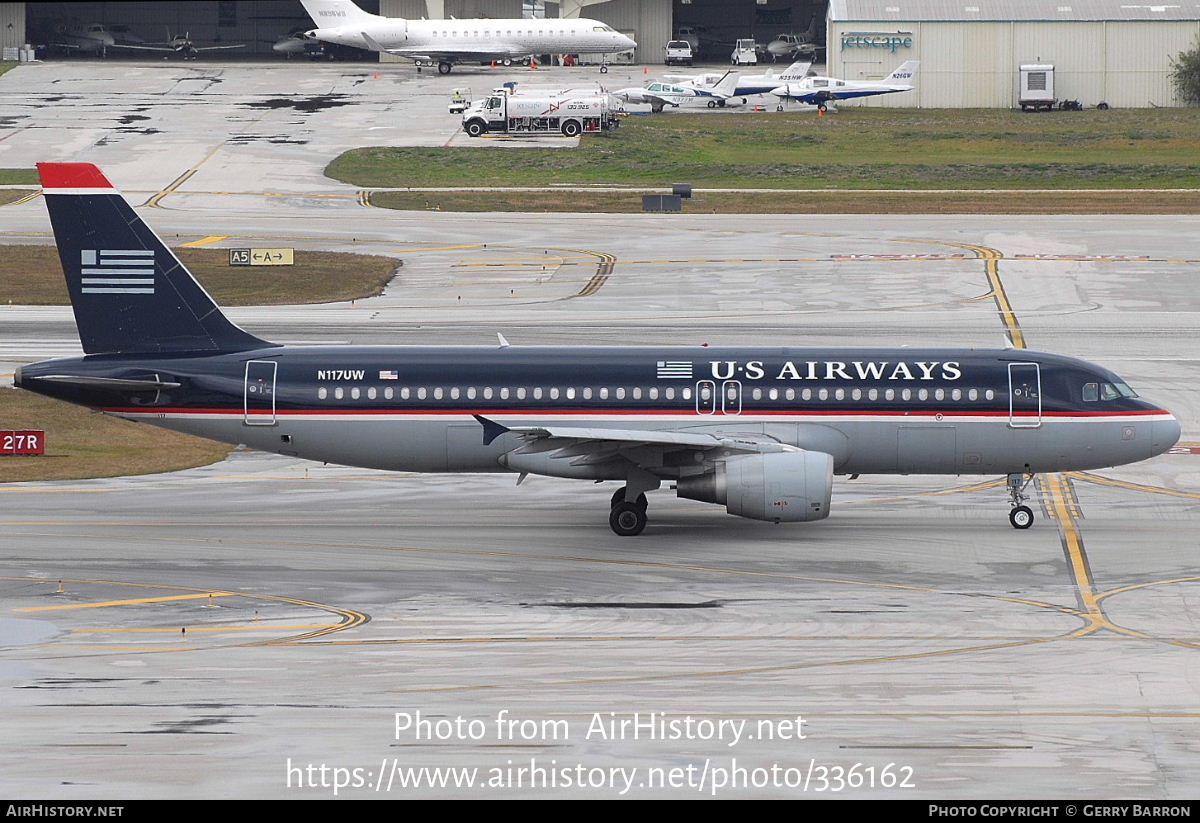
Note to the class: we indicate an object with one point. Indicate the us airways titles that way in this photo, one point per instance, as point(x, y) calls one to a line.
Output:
point(839, 370)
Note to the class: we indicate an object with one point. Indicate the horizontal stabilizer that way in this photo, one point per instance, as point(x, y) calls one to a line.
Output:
point(117, 383)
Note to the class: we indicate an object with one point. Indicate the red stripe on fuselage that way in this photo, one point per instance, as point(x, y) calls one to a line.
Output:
point(662, 412)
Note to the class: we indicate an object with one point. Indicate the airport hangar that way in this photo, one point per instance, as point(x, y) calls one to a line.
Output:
point(258, 23)
point(1109, 51)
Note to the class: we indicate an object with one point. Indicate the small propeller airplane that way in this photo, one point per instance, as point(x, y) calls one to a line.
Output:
point(750, 83)
point(820, 91)
point(792, 46)
point(181, 44)
point(660, 95)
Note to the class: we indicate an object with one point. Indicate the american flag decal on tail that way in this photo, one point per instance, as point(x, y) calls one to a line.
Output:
point(674, 369)
point(117, 271)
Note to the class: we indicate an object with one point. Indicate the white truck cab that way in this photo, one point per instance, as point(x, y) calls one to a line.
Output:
point(745, 53)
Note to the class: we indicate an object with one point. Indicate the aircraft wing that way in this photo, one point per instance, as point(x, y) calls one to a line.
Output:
point(595, 443)
point(213, 48)
point(655, 100)
point(141, 48)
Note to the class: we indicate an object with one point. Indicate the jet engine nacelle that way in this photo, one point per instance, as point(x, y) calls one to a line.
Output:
point(779, 486)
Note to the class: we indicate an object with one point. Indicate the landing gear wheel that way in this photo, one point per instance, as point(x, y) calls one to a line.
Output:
point(779, 108)
point(444, 67)
point(1021, 517)
point(712, 104)
point(604, 69)
point(627, 519)
point(619, 497)
point(821, 107)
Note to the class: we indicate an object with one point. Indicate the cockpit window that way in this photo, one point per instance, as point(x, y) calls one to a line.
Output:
point(1106, 391)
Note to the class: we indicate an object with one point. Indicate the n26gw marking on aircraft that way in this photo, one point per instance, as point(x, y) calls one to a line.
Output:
point(762, 436)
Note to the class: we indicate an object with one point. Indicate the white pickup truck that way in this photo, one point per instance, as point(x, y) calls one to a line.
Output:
point(678, 53)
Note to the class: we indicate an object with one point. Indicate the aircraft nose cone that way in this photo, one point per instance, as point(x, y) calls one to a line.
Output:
point(1166, 434)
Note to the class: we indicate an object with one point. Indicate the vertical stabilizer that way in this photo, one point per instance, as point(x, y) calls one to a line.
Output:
point(905, 75)
point(129, 292)
point(334, 13)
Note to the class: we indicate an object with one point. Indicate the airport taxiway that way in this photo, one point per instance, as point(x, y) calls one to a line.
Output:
point(219, 625)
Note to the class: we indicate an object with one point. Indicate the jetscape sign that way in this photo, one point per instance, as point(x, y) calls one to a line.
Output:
point(893, 41)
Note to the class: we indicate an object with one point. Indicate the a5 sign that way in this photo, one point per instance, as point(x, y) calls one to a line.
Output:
point(22, 442)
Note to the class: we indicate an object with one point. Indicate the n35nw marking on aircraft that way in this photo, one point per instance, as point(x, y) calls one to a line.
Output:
point(447, 42)
point(760, 430)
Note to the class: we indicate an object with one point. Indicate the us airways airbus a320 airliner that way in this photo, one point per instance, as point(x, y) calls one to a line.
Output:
point(761, 431)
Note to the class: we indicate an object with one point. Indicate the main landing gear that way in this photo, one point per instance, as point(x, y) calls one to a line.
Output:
point(1021, 516)
point(627, 519)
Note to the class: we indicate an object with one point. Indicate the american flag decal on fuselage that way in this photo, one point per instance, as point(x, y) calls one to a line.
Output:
point(117, 271)
point(675, 369)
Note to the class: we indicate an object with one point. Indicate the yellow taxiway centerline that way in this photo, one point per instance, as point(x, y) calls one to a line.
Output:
point(204, 241)
point(104, 603)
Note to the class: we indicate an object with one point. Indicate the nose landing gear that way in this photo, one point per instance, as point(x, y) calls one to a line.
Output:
point(1021, 516)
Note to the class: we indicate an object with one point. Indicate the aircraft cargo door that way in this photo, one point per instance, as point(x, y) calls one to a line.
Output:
point(926, 449)
point(259, 393)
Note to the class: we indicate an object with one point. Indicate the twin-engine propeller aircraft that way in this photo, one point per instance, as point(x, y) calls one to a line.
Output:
point(446, 42)
point(761, 431)
point(820, 91)
point(715, 91)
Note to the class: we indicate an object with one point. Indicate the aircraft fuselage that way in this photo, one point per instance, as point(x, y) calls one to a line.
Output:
point(893, 411)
